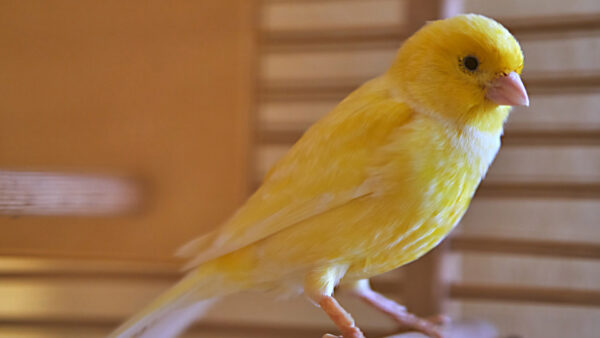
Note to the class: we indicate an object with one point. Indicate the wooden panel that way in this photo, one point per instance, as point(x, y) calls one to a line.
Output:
point(546, 164)
point(109, 300)
point(63, 298)
point(31, 267)
point(538, 219)
point(536, 294)
point(293, 115)
point(49, 292)
point(529, 8)
point(267, 156)
point(145, 94)
point(571, 111)
point(326, 65)
point(424, 288)
point(525, 247)
point(555, 24)
point(486, 269)
point(302, 15)
point(524, 320)
point(565, 53)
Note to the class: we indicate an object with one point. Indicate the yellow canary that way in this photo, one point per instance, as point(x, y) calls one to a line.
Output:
point(375, 184)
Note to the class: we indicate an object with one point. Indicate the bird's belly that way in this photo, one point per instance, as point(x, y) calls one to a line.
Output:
point(430, 221)
point(377, 233)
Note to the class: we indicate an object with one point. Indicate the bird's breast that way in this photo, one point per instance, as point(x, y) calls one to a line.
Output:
point(444, 172)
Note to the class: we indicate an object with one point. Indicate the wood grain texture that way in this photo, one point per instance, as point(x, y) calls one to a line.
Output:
point(62, 301)
point(520, 9)
point(302, 15)
point(525, 247)
point(319, 65)
point(526, 294)
point(532, 320)
point(159, 92)
point(529, 217)
point(551, 271)
point(423, 288)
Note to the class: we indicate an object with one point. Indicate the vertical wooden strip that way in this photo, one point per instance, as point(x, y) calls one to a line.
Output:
point(422, 11)
point(255, 44)
point(425, 291)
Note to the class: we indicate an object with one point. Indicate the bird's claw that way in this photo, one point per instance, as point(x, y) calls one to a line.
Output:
point(428, 326)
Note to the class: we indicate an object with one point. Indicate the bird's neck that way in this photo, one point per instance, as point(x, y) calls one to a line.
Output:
point(479, 146)
point(484, 117)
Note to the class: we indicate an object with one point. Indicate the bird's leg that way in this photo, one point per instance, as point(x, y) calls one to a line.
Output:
point(318, 287)
point(340, 317)
point(363, 290)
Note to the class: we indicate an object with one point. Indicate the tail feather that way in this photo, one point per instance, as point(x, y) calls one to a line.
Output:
point(173, 311)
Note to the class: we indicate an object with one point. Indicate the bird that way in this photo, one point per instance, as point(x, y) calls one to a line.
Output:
point(373, 185)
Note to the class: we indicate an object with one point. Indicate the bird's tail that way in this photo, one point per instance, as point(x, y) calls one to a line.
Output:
point(174, 310)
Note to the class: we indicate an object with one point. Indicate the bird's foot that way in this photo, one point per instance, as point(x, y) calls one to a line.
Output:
point(350, 332)
point(428, 326)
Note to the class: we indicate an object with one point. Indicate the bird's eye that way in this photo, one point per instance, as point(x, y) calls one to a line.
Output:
point(471, 63)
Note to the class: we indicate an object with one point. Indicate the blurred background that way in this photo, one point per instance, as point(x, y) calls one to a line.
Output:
point(128, 128)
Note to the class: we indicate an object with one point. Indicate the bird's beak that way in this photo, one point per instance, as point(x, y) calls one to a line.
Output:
point(508, 90)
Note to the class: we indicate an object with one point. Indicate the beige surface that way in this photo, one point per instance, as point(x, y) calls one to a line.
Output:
point(298, 15)
point(159, 92)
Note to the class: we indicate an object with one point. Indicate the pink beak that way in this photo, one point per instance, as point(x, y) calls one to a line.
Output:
point(508, 90)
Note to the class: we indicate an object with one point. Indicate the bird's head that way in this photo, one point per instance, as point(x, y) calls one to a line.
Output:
point(462, 68)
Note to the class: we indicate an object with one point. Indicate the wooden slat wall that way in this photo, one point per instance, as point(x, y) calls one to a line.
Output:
point(542, 195)
point(49, 297)
point(567, 114)
point(325, 15)
point(530, 8)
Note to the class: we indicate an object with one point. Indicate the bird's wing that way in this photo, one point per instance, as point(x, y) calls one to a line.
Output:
point(327, 168)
